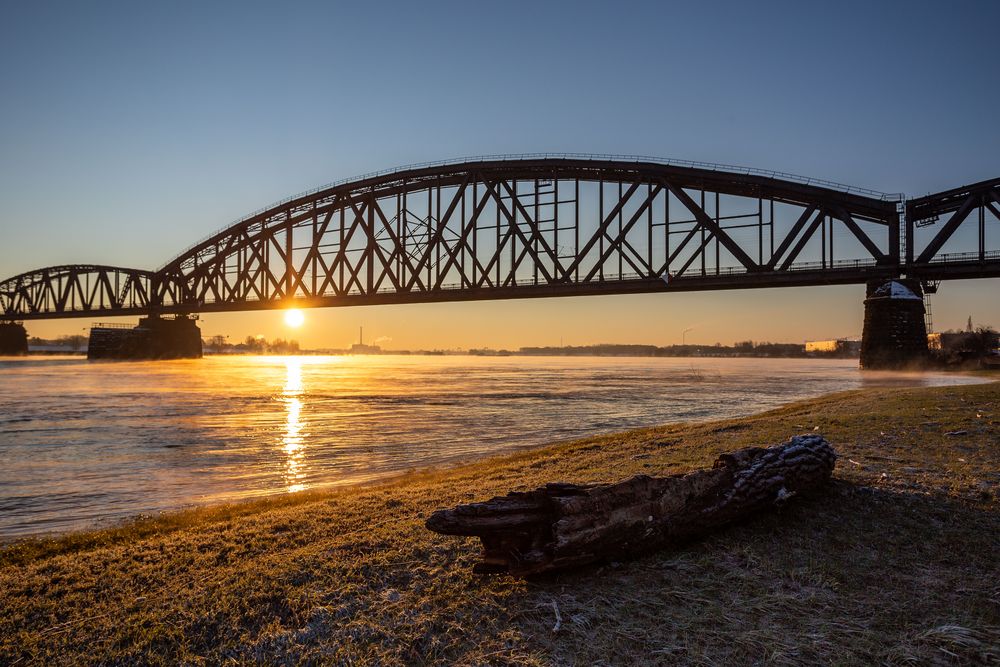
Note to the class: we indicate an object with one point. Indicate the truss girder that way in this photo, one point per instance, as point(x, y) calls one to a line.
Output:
point(482, 226)
point(526, 227)
point(76, 290)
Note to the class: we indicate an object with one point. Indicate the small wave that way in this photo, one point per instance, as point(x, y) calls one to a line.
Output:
point(447, 398)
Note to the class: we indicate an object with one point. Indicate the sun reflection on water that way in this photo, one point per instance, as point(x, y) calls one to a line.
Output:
point(293, 440)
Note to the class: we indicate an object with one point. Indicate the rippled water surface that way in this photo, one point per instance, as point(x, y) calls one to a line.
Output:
point(86, 443)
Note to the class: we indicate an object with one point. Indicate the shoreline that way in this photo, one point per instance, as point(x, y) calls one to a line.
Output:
point(884, 566)
point(138, 521)
point(145, 523)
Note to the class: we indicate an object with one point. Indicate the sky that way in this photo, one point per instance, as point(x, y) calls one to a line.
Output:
point(130, 130)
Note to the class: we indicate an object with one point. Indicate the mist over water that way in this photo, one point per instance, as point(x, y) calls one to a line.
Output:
point(85, 444)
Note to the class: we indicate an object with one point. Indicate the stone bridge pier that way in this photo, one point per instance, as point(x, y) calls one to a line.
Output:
point(153, 338)
point(895, 332)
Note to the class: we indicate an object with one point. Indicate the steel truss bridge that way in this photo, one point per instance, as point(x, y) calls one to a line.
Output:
point(538, 226)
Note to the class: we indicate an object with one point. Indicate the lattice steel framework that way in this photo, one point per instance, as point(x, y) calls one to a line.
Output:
point(533, 226)
point(77, 290)
point(934, 250)
point(505, 229)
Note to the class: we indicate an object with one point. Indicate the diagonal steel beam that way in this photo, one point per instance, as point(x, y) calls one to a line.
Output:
point(397, 250)
point(694, 255)
point(368, 254)
point(513, 225)
point(993, 209)
point(949, 228)
point(859, 234)
point(679, 249)
point(790, 237)
point(339, 259)
point(616, 243)
point(794, 254)
point(462, 245)
point(498, 251)
point(602, 228)
point(706, 221)
point(995, 195)
point(313, 253)
point(536, 233)
point(373, 247)
point(433, 241)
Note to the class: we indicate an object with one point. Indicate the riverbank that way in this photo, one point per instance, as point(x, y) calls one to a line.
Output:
point(896, 563)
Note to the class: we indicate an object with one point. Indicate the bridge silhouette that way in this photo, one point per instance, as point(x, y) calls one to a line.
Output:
point(503, 227)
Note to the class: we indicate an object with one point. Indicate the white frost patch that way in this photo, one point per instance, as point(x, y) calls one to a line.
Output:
point(896, 290)
point(783, 495)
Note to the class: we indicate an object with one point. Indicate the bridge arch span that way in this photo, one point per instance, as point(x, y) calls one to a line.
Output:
point(538, 226)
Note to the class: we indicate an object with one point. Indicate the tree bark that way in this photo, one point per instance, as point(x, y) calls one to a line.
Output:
point(560, 526)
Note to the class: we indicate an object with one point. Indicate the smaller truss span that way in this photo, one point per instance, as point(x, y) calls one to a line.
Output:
point(78, 290)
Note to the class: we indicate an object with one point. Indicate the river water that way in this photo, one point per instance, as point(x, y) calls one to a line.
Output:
point(85, 444)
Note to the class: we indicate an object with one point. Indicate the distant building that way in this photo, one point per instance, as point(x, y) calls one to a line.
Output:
point(962, 339)
point(842, 347)
point(361, 348)
point(821, 345)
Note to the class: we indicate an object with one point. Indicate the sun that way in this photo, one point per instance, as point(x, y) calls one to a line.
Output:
point(294, 318)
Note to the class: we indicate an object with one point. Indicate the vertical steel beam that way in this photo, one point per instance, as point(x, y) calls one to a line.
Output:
point(982, 228)
point(289, 264)
point(718, 223)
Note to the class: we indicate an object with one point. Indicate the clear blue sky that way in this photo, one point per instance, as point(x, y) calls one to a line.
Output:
point(130, 130)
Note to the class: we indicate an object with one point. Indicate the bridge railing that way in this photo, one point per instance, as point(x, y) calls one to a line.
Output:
point(955, 257)
point(842, 265)
point(111, 325)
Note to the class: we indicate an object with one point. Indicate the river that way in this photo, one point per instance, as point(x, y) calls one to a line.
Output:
point(85, 444)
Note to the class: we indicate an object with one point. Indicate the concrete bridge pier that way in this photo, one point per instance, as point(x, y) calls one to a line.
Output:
point(153, 338)
point(895, 333)
point(13, 339)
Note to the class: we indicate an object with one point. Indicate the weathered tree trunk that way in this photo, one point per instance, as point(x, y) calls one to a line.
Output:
point(565, 525)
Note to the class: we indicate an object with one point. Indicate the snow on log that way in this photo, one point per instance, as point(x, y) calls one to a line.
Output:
point(560, 526)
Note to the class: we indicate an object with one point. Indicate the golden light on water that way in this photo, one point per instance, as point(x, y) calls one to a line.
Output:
point(293, 376)
point(294, 318)
point(293, 440)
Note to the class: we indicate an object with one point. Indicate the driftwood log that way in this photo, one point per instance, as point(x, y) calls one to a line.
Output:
point(565, 525)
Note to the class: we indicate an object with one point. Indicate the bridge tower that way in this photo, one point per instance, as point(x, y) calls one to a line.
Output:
point(895, 331)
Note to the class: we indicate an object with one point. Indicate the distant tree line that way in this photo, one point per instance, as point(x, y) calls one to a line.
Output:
point(972, 347)
point(746, 348)
point(250, 345)
point(75, 342)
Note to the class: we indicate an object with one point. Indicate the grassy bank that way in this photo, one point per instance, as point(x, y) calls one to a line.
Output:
point(897, 563)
